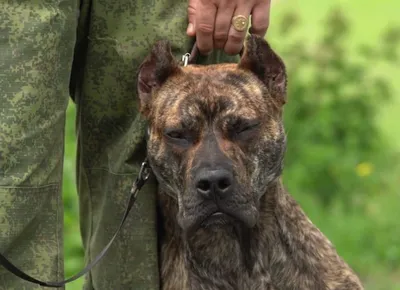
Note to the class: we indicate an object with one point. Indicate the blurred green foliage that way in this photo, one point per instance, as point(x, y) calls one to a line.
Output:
point(334, 141)
point(73, 249)
point(339, 165)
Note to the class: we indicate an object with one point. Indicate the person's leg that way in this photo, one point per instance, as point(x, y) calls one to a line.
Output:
point(36, 47)
point(111, 135)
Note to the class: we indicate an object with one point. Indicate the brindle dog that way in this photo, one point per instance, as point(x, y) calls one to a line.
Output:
point(216, 146)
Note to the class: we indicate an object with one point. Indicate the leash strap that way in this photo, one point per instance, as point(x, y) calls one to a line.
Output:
point(144, 174)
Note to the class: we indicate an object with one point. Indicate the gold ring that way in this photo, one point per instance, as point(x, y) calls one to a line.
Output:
point(240, 22)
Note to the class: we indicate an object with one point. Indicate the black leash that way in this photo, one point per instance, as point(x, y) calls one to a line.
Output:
point(144, 174)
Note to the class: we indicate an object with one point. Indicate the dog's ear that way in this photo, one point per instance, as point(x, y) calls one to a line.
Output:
point(154, 71)
point(259, 58)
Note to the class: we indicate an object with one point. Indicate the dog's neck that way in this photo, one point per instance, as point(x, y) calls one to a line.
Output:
point(283, 249)
point(223, 256)
point(210, 255)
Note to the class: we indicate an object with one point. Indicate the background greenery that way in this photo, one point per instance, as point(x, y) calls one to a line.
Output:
point(342, 120)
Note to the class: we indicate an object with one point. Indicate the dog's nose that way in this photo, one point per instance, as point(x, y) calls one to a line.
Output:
point(210, 183)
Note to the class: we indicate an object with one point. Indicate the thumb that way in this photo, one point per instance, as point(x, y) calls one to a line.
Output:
point(190, 31)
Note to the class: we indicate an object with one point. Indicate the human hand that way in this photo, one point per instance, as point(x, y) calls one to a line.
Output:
point(211, 22)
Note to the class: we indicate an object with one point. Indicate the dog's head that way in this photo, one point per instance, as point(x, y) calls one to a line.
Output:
point(216, 138)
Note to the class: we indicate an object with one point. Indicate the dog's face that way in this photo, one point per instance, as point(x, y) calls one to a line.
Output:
point(216, 138)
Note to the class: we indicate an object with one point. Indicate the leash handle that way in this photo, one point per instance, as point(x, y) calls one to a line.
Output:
point(194, 53)
point(144, 174)
point(190, 58)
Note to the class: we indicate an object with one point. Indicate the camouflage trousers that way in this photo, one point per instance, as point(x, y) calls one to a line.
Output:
point(90, 50)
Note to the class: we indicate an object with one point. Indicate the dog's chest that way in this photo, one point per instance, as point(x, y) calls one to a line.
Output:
point(239, 283)
point(191, 281)
point(179, 273)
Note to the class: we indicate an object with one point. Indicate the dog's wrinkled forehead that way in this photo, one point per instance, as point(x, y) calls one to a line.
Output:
point(207, 93)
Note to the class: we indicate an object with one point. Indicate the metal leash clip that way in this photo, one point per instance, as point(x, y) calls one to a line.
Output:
point(190, 58)
point(185, 59)
point(142, 177)
point(145, 170)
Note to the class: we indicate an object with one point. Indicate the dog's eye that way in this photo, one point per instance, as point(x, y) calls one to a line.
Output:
point(247, 127)
point(243, 129)
point(177, 137)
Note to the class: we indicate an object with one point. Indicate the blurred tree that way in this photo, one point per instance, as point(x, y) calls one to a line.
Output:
point(335, 146)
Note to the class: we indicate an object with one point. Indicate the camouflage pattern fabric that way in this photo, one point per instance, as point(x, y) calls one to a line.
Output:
point(51, 49)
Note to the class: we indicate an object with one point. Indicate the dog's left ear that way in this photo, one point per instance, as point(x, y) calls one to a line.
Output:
point(154, 71)
point(259, 58)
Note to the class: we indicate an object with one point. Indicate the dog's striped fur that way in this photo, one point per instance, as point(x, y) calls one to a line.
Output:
point(272, 244)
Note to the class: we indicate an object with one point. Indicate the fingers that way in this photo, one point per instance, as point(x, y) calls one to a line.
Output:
point(222, 25)
point(260, 18)
point(211, 22)
point(206, 12)
point(190, 31)
point(236, 36)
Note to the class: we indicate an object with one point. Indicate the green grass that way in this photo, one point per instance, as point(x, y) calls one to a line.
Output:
point(73, 244)
point(365, 238)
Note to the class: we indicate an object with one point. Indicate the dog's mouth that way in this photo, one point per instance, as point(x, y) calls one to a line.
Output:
point(216, 219)
point(213, 216)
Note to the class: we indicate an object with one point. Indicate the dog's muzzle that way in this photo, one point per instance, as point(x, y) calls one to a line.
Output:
point(215, 198)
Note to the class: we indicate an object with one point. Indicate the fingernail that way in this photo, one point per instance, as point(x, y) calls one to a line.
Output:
point(190, 29)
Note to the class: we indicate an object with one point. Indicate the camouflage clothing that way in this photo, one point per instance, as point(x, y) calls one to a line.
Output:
point(91, 49)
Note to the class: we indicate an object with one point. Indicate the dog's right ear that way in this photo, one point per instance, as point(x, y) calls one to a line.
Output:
point(153, 72)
